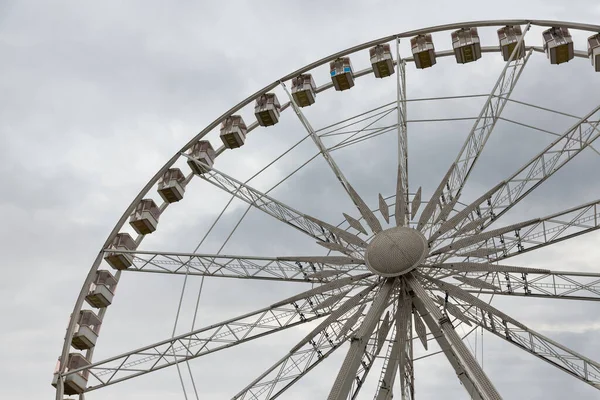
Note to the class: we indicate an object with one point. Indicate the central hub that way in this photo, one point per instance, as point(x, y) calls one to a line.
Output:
point(396, 251)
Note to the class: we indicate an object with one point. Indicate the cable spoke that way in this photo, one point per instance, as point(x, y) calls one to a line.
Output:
point(364, 210)
point(299, 309)
point(526, 339)
point(509, 192)
point(314, 269)
point(467, 369)
point(482, 128)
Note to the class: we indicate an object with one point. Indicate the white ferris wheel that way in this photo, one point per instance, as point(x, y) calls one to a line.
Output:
point(393, 271)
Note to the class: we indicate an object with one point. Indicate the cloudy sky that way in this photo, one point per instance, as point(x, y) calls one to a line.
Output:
point(95, 97)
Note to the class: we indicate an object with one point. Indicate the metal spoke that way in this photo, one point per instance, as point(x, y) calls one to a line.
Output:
point(315, 269)
point(483, 127)
point(304, 307)
point(398, 357)
point(310, 351)
point(364, 210)
point(343, 382)
point(545, 231)
point(509, 192)
point(401, 213)
point(530, 341)
point(552, 284)
point(374, 347)
point(271, 206)
point(467, 369)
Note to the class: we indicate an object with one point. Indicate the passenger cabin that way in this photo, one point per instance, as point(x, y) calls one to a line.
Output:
point(558, 45)
point(203, 152)
point(102, 290)
point(381, 60)
point(266, 109)
point(233, 132)
point(304, 90)
point(123, 241)
point(171, 186)
point(86, 330)
point(466, 44)
point(509, 37)
point(145, 217)
point(77, 382)
point(342, 74)
point(423, 51)
point(594, 51)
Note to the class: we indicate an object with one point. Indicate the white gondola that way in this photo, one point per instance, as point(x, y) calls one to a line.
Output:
point(594, 51)
point(341, 73)
point(558, 45)
point(304, 90)
point(233, 131)
point(266, 109)
point(203, 152)
point(509, 37)
point(171, 185)
point(102, 290)
point(86, 330)
point(145, 217)
point(77, 382)
point(120, 261)
point(423, 51)
point(381, 60)
point(466, 45)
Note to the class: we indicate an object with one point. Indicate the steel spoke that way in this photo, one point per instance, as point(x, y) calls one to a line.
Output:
point(313, 269)
point(551, 284)
point(528, 340)
point(467, 369)
point(546, 231)
point(310, 351)
point(509, 192)
point(364, 210)
point(401, 212)
point(482, 128)
point(271, 206)
point(296, 310)
point(343, 382)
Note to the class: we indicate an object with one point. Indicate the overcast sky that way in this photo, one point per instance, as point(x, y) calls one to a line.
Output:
point(95, 97)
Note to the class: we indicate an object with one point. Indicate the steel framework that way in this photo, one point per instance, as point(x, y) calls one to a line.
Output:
point(349, 303)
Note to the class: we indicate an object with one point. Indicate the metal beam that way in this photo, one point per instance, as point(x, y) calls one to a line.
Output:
point(362, 207)
point(328, 336)
point(273, 207)
point(552, 285)
point(401, 212)
point(546, 231)
point(304, 307)
point(476, 382)
point(510, 191)
point(482, 129)
point(532, 342)
point(316, 269)
point(343, 382)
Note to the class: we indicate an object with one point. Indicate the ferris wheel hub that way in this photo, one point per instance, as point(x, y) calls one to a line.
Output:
point(396, 251)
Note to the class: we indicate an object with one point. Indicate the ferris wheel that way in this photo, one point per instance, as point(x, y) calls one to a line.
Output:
point(393, 271)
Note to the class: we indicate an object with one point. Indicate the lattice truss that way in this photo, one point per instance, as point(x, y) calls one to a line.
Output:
point(382, 317)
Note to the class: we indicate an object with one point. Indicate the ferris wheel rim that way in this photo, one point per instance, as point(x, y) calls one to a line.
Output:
point(439, 28)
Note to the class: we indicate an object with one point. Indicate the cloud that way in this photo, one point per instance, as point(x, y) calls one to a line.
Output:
point(98, 96)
